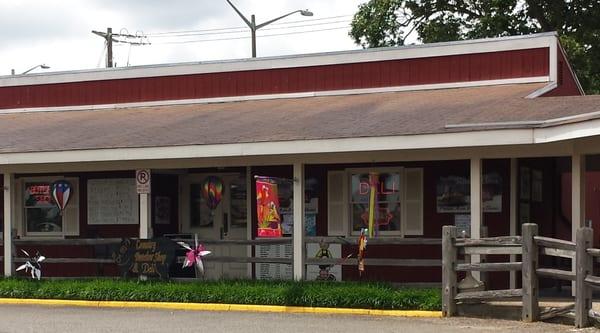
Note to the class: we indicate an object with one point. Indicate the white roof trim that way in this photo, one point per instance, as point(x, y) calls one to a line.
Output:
point(324, 146)
point(529, 124)
point(543, 90)
point(451, 85)
point(369, 55)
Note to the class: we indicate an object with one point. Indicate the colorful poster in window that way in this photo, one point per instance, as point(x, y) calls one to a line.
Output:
point(267, 208)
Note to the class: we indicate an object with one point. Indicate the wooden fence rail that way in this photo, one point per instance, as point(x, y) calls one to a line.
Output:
point(531, 247)
point(391, 262)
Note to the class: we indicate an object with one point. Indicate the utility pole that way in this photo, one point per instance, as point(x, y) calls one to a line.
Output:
point(109, 38)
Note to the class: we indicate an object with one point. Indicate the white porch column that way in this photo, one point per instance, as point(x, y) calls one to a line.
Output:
point(9, 195)
point(145, 216)
point(514, 163)
point(577, 201)
point(298, 239)
point(476, 209)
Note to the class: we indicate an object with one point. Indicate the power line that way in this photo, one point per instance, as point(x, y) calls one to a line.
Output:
point(246, 30)
point(240, 27)
point(246, 37)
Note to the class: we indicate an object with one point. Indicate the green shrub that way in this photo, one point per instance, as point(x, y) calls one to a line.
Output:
point(307, 293)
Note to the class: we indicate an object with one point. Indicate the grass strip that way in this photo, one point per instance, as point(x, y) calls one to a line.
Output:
point(306, 293)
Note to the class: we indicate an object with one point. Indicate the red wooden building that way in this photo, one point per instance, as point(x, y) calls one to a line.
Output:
point(486, 134)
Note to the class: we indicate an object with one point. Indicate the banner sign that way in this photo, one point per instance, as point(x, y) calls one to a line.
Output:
point(38, 194)
point(267, 207)
point(150, 257)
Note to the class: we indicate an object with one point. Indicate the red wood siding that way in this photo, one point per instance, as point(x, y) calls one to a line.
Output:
point(567, 84)
point(442, 69)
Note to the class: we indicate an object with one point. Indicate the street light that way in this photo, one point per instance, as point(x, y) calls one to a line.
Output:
point(42, 66)
point(253, 26)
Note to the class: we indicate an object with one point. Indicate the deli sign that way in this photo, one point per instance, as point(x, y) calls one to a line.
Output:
point(40, 193)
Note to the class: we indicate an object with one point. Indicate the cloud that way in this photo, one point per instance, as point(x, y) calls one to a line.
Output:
point(58, 32)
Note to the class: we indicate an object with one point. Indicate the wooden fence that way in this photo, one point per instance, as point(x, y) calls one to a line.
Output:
point(308, 260)
point(530, 246)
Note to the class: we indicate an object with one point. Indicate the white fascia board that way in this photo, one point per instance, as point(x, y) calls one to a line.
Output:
point(568, 131)
point(346, 57)
point(421, 87)
point(425, 141)
point(540, 92)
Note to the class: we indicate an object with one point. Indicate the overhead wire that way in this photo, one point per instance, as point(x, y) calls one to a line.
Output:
point(156, 34)
point(246, 37)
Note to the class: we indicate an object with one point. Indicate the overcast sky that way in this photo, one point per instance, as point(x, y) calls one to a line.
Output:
point(58, 32)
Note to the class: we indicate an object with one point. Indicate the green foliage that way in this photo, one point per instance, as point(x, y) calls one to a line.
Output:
point(311, 293)
point(391, 22)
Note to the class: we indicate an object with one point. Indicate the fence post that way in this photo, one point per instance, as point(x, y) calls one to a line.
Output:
point(449, 257)
point(583, 293)
point(531, 311)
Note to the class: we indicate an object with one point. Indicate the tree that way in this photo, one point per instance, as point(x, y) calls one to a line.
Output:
point(394, 22)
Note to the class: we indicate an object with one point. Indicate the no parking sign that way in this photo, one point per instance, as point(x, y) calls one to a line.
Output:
point(142, 181)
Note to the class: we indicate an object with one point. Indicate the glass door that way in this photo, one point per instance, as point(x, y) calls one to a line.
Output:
point(214, 207)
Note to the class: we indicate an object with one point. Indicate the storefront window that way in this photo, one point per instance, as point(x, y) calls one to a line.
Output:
point(41, 214)
point(388, 198)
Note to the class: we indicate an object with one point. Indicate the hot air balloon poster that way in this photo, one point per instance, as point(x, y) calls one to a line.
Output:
point(212, 192)
point(267, 208)
point(61, 192)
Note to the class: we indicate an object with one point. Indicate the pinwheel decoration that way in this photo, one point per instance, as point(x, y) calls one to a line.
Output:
point(194, 255)
point(33, 264)
point(212, 191)
point(61, 192)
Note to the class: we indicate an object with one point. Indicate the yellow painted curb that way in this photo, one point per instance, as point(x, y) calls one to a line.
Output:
point(222, 307)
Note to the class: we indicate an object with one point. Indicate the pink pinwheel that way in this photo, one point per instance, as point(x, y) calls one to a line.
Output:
point(194, 255)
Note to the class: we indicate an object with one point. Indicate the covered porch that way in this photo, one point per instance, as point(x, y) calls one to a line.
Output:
point(493, 189)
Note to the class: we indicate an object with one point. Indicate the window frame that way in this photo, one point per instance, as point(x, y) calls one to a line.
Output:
point(400, 171)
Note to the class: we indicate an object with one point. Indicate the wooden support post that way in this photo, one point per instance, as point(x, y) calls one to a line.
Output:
point(577, 202)
point(583, 292)
point(476, 207)
point(531, 310)
point(449, 283)
point(299, 246)
point(514, 163)
point(9, 195)
point(145, 231)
